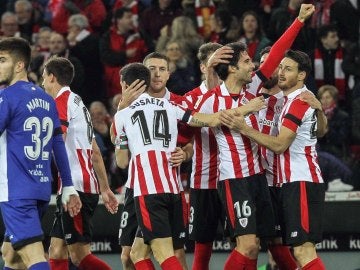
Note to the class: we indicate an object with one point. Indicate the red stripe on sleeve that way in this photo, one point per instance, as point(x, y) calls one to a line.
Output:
point(279, 48)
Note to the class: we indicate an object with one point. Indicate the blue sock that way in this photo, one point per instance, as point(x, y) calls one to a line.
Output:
point(40, 266)
point(7, 268)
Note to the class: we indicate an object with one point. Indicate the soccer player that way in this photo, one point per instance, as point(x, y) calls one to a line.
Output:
point(72, 235)
point(302, 193)
point(159, 68)
point(156, 187)
point(205, 210)
point(247, 200)
point(29, 132)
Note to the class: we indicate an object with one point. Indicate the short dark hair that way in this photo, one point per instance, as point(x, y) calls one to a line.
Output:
point(61, 68)
point(206, 50)
point(324, 30)
point(265, 50)
point(303, 60)
point(157, 55)
point(119, 13)
point(18, 48)
point(133, 71)
point(238, 48)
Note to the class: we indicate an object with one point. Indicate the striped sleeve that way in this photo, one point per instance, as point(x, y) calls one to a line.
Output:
point(293, 118)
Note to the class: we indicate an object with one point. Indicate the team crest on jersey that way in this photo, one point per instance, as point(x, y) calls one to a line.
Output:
point(278, 109)
point(244, 100)
point(1, 100)
point(243, 222)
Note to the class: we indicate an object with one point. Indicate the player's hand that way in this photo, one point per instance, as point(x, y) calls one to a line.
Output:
point(256, 104)
point(306, 10)
point(221, 55)
point(110, 201)
point(233, 120)
point(311, 100)
point(71, 200)
point(131, 92)
point(177, 157)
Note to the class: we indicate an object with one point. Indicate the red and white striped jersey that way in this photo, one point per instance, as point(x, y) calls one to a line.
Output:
point(205, 161)
point(239, 156)
point(76, 123)
point(299, 161)
point(268, 122)
point(183, 134)
point(150, 125)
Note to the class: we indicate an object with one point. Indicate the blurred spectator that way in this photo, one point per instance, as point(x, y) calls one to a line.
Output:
point(119, 46)
point(58, 46)
point(9, 25)
point(29, 21)
point(346, 15)
point(133, 5)
point(200, 11)
point(281, 19)
point(182, 30)
point(182, 71)
point(336, 174)
point(252, 35)
point(94, 10)
point(160, 13)
point(328, 57)
point(224, 28)
point(84, 45)
point(336, 140)
point(321, 15)
point(42, 42)
point(238, 7)
point(351, 65)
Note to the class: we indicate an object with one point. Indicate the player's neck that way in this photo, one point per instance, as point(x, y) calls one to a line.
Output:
point(19, 77)
point(159, 94)
point(233, 86)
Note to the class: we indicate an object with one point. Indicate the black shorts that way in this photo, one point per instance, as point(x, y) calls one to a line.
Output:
point(303, 208)
point(248, 206)
point(162, 215)
point(76, 229)
point(205, 214)
point(128, 222)
point(275, 194)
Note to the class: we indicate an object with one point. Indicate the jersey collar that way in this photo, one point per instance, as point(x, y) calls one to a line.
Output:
point(62, 90)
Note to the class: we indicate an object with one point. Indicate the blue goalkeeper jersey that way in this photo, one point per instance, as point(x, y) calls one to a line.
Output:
point(28, 125)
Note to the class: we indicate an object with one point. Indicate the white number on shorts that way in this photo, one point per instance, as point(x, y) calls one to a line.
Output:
point(124, 219)
point(191, 214)
point(244, 211)
point(33, 124)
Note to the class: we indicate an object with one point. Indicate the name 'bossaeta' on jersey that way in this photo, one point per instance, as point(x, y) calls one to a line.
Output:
point(150, 124)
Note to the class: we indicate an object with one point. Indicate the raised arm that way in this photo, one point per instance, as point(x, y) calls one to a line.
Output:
point(285, 41)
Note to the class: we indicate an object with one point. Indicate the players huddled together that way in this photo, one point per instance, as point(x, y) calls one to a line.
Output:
point(251, 136)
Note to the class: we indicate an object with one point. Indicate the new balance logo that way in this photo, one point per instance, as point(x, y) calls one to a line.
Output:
point(68, 236)
point(294, 234)
point(182, 235)
point(243, 222)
